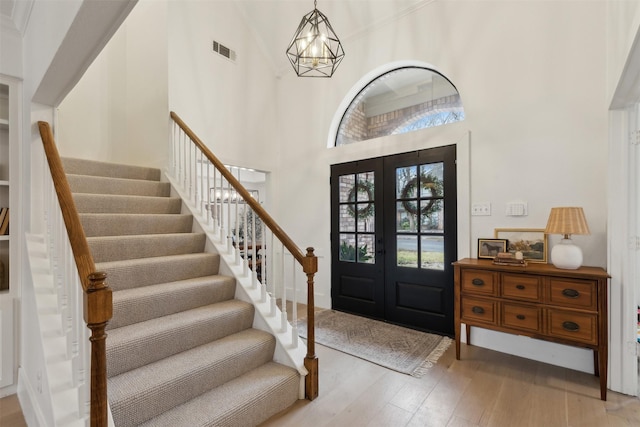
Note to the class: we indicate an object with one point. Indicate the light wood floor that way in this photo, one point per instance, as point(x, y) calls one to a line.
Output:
point(10, 412)
point(484, 388)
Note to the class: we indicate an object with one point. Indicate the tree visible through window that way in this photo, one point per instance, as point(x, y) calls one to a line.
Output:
point(400, 101)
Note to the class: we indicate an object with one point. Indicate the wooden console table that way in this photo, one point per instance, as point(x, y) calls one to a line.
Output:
point(538, 301)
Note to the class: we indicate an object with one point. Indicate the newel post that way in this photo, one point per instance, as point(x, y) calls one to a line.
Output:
point(98, 311)
point(310, 267)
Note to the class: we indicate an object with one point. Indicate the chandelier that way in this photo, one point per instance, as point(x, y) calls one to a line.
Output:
point(315, 50)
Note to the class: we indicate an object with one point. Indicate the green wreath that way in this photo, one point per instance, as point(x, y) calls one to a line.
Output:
point(427, 182)
point(366, 211)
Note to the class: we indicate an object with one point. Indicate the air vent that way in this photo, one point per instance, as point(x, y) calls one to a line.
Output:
point(224, 51)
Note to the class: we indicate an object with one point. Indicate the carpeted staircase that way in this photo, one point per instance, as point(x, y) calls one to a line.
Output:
point(181, 351)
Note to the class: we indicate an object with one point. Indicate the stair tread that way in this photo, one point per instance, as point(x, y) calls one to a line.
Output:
point(135, 345)
point(100, 168)
point(246, 400)
point(148, 391)
point(140, 304)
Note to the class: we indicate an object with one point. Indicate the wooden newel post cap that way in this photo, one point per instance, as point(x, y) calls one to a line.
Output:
point(310, 265)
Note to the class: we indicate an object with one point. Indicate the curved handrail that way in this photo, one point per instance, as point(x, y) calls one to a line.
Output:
point(98, 305)
point(309, 262)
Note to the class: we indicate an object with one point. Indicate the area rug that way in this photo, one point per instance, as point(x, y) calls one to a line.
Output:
point(400, 349)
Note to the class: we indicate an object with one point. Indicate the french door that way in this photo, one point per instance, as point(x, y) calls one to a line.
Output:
point(393, 238)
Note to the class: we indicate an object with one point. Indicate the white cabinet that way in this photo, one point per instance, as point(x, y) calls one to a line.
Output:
point(5, 153)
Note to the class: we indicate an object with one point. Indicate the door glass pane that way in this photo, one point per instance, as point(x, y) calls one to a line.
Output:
point(346, 183)
point(406, 182)
point(348, 247)
point(347, 221)
point(405, 220)
point(366, 187)
point(431, 179)
point(366, 217)
point(366, 249)
point(407, 253)
point(432, 216)
point(432, 252)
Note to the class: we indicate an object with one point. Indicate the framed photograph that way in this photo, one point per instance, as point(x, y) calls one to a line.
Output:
point(489, 248)
point(532, 242)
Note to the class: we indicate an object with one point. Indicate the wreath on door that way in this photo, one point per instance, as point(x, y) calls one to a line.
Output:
point(367, 210)
point(426, 182)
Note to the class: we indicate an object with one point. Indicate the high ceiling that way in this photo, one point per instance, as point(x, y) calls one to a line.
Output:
point(273, 22)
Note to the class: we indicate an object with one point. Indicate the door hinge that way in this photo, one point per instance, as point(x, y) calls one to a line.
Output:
point(634, 137)
point(634, 243)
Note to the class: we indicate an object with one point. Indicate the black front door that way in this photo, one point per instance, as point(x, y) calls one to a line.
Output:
point(394, 238)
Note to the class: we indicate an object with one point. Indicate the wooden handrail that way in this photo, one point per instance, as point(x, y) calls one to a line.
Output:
point(98, 305)
point(255, 205)
point(309, 262)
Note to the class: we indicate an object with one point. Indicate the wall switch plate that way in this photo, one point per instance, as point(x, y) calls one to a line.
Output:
point(481, 209)
point(516, 209)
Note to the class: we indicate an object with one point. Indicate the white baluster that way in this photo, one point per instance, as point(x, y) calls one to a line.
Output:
point(283, 320)
point(271, 280)
point(229, 238)
point(294, 305)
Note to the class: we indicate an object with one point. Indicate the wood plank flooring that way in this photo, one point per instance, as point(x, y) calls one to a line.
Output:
point(485, 388)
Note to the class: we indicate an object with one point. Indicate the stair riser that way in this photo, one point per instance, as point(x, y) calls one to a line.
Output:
point(116, 248)
point(121, 224)
point(137, 345)
point(100, 185)
point(151, 271)
point(98, 203)
point(139, 305)
point(209, 366)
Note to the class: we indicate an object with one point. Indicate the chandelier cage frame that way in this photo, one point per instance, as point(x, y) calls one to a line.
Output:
point(315, 50)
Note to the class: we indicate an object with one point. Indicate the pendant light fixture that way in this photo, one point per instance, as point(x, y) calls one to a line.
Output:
point(315, 50)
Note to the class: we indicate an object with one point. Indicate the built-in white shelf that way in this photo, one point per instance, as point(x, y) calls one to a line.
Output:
point(6, 183)
point(4, 238)
point(4, 124)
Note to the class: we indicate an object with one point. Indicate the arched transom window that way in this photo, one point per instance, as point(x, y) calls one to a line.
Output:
point(399, 101)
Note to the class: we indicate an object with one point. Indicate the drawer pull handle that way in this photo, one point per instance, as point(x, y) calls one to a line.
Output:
point(571, 326)
point(477, 310)
point(520, 316)
point(521, 287)
point(477, 282)
point(570, 293)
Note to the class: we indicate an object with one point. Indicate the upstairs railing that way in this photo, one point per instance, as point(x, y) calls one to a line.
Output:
point(65, 233)
point(248, 234)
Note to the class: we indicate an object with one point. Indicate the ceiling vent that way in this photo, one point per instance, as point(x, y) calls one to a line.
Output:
point(224, 51)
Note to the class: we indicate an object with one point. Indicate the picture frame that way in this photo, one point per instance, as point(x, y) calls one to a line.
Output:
point(490, 248)
point(532, 242)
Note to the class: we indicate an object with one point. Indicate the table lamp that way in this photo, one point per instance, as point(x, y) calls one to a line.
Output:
point(567, 221)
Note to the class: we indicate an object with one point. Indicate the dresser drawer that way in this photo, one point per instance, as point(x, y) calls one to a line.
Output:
point(573, 293)
point(581, 327)
point(524, 317)
point(522, 287)
point(480, 282)
point(479, 310)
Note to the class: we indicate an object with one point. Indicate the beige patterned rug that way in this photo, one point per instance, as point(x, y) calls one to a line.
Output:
point(400, 349)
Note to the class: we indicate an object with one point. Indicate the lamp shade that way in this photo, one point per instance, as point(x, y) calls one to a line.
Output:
point(567, 221)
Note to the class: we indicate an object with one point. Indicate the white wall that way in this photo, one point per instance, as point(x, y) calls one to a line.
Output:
point(532, 80)
point(117, 110)
point(230, 106)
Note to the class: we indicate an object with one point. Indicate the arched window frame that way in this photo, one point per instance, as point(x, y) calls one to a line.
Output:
point(357, 91)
